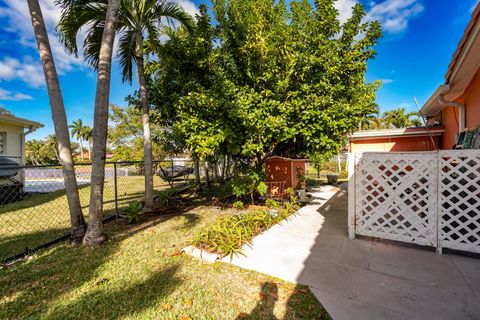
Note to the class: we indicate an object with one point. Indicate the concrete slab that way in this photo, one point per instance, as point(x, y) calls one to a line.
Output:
point(281, 250)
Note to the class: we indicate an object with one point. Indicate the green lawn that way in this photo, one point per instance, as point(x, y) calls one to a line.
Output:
point(42, 218)
point(139, 274)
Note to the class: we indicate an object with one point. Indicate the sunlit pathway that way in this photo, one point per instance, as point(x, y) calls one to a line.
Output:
point(362, 278)
point(282, 250)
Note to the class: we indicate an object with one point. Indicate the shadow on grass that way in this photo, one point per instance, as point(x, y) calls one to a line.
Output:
point(121, 302)
point(301, 304)
point(63, 270)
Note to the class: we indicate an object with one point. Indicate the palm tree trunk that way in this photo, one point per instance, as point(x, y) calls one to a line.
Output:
point(89, 151)
point(77, 220)
point(147, 139)
point(80, 140)
point(94, 233)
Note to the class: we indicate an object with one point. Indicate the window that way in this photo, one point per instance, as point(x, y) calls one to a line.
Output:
point(3, 142)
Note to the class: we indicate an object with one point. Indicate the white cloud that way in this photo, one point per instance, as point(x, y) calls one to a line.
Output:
point(28, 71)
point(188, 6)
point(387, 81)
point(13, 96)
point(344, 8)
point(18, 20)
point(394, 15)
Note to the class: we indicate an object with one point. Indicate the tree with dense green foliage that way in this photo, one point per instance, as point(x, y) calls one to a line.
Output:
point(125, 136)
point(270, 80)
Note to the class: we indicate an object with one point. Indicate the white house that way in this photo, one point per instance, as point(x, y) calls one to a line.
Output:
point(12, 135)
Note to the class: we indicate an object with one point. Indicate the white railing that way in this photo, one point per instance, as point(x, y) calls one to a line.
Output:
point(426, 198)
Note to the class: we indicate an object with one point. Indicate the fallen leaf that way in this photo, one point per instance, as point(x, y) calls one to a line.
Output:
point(243, 315)
point(178, 253)
point(188, 303)
point(186, 318)
point(166, 306)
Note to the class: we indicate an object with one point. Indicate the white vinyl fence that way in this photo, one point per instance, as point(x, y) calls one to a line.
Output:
point(426, 198)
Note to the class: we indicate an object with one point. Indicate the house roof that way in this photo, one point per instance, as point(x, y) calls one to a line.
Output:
point(401, 133)
point(20, 121)
point(465, 64)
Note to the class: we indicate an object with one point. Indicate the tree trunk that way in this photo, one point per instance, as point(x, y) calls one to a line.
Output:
point(80, 140)
point(196, 169)
point(59, 117)
point(147, 139)
point(94, 233)
point(207, 176)
point(89, 151)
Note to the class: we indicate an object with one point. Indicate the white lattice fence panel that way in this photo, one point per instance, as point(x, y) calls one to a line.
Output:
point(459, 200)
point(395, 197)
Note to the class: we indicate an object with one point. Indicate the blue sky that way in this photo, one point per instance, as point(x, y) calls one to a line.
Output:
point(420, 37)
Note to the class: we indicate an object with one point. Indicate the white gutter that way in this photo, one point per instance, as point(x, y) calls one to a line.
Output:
point(461, 110)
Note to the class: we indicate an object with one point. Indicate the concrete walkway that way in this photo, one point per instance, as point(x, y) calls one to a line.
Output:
point(362, 278)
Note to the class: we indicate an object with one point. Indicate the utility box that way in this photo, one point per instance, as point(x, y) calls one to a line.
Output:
point(281, 174)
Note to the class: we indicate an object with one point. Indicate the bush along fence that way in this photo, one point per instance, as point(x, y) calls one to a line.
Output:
point(33, 204)
point(426, 198)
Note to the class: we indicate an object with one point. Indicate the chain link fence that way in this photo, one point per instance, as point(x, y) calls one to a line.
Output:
point(33, 204)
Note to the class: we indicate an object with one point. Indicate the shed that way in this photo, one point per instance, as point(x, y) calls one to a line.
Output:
point(281, 174)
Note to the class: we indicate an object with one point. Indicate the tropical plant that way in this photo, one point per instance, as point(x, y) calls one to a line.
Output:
point(262, 189)
point(88, 136)
point(78, 132)
point(399, 118)
point(272, 204)
point(227, 235)
point(133, 212)
point(99, 18)
point(164, 198)
point(300, 178)
point(238, 205)
point(77, 220)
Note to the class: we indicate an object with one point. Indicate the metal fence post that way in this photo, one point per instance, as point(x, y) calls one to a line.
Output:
point(115, 186)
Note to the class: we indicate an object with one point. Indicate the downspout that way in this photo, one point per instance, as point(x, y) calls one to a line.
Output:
point(461, 110)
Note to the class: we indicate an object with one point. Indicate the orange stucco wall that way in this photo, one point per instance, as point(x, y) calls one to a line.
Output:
point(472, 104)
point(450, 123)
point(394, 144)
point(450, 115)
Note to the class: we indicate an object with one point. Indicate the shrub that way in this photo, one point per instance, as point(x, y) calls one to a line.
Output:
point(272, 204)
point(343, 175)
point(238, 205)
point(262, 189)
point(164, 197)
point(132, 212)
point(227, 235)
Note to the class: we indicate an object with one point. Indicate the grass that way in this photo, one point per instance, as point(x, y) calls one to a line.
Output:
point(139, 274)
point(41, 218)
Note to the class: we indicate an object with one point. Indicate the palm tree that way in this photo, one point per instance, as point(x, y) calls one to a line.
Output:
point(51, 143)
point(399, 118)
point(99, 19)
point(78, 133)
point(137, 19)
point(88, 136)
point(77, 220)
